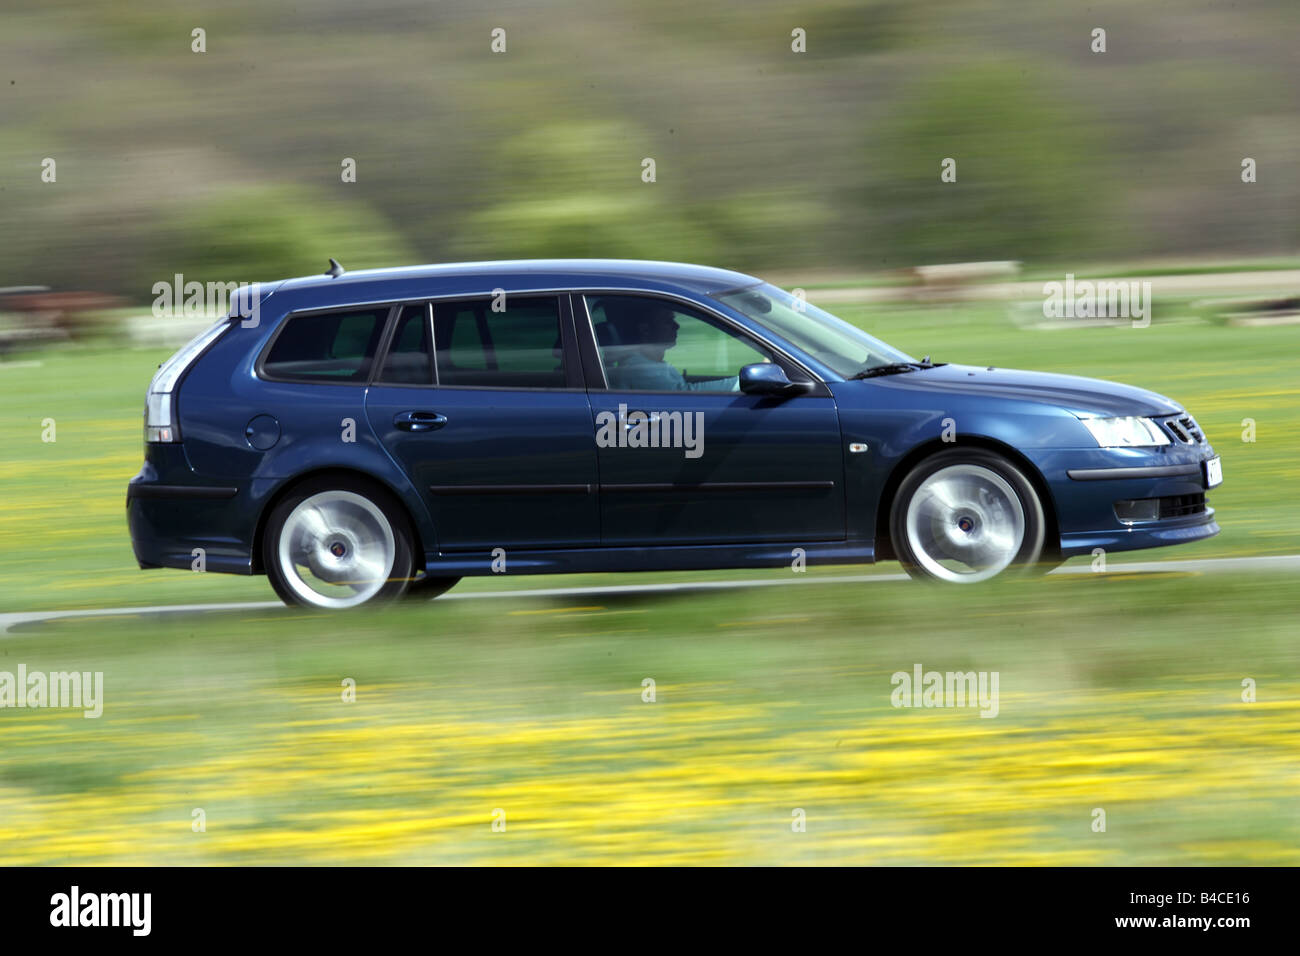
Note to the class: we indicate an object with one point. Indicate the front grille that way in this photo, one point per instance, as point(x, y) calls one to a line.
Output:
point(1185, 429)
point(1178, 506)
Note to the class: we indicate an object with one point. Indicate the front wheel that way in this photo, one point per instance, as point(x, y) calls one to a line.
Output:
point(966, 515)
point(335, 544)
point(427, 588)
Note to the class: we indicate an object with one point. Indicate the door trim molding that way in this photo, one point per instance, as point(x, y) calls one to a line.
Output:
point(511, 489)
point(691, 486)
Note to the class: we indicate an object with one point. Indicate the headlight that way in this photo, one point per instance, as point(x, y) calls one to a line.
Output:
point(1125, 432)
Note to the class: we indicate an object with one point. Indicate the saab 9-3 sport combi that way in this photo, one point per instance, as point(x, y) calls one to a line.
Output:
point(360, 436)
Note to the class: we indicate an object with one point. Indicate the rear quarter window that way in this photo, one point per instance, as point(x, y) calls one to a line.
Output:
point(326, 346)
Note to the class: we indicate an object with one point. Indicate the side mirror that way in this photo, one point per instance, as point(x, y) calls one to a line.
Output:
point(767, 378)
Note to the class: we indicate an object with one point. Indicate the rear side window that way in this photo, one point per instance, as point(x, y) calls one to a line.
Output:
point(327, 346)
point(519, 347)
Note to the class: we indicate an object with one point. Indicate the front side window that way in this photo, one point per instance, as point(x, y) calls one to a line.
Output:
point(326, 346)
point(651, 344)
point(519, 346)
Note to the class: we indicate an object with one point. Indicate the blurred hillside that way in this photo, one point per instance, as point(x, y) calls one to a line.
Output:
point(225, 165)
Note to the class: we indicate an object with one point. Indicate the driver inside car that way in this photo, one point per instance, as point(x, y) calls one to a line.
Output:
point(648, 331)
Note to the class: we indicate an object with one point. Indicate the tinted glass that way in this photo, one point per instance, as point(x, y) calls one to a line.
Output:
point(327, 346)
point(408, 361)
point(841, 347)
point(652, 344)
point(517, 347)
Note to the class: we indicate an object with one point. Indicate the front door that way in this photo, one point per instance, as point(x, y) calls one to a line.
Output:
point(684, 456)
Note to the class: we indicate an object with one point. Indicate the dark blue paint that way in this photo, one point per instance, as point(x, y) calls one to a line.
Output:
point(259, 437)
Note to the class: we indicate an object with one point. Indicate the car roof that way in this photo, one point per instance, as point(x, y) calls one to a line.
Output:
point(475, 277)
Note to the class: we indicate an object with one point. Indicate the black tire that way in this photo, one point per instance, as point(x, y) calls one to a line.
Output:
point(973, 465)
point(349, 493)
point(427, 588)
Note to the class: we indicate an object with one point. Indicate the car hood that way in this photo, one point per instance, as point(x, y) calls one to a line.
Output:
point(1072, 392)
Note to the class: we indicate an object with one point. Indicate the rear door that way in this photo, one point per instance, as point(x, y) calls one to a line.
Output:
point(482, 402)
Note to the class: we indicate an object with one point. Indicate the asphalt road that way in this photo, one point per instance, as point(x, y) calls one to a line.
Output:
point(1286, 562)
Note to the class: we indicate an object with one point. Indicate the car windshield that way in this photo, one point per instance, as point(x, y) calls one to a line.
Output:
point(841, 347)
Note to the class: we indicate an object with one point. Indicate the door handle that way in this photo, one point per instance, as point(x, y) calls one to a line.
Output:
point(418, 421)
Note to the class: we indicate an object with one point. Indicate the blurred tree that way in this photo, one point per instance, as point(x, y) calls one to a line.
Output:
point(1028, 172)
point(1061, 153)
point(576, 189)
point(768, 228)
point(267, 233)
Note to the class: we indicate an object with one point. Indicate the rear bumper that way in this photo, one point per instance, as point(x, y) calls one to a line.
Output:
point(192, 492)
point(171, 520)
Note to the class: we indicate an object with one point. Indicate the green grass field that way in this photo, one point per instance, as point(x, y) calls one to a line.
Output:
point(1120, 692)
point(1111, 697)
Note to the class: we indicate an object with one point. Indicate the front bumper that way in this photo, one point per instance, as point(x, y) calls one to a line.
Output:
point(1088, 483)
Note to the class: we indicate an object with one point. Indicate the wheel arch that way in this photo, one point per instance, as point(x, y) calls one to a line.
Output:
point(352, 474)
point(884, 545)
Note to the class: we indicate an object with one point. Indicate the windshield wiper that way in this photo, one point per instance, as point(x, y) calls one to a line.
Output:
point(894, 368)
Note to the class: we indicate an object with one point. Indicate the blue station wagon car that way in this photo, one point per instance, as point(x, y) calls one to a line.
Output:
point(361, 436)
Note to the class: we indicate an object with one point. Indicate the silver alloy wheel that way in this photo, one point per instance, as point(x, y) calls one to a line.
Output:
point(965, 523)
point(336, 549)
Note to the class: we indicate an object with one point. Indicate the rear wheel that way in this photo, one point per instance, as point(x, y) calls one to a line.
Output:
point(966, 515)
point(337, 543)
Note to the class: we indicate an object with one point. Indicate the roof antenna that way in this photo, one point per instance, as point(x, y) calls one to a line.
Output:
point(335, 270)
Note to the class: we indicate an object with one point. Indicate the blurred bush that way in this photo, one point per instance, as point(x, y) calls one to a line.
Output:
point(265, 233)
point(576, 189)
point(226, 163)
point(1030, 176)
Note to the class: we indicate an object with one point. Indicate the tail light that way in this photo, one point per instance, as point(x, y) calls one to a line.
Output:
point(160, 423)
